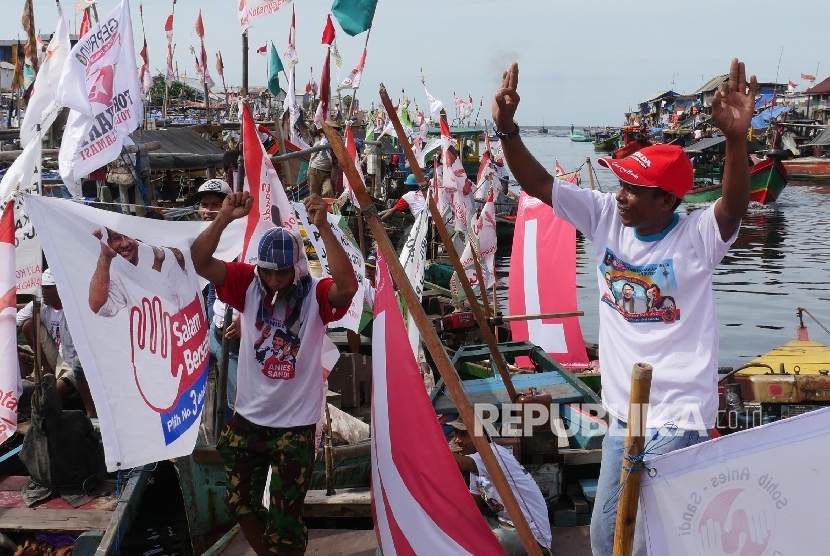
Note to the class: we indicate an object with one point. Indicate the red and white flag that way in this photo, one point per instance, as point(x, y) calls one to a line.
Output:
point(572, 177)
point(271, 206)
point(262, 50)
point(353, 80)
point(202, 65)
point(481, 245)
point(330, 39)
point(420, 503)
point(290, 55)
point(543, 280)
point(808, 77)
point(10, 386)
point(792, 86)
point(249, 10)
point(322, 113)
point(86, 24)
point(454, 176)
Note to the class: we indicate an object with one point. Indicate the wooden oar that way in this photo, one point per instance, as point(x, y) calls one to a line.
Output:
point(486, 333)
point(431, 340)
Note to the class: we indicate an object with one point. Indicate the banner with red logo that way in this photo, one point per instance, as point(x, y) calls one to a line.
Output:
point(758, 492)
point(10, 387)
point(420, 503)
point(100, 84)
point(250, 10)
point(133, 303)
point(543, 280)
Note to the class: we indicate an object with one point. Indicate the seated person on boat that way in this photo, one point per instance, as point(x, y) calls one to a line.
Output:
point(484, 493)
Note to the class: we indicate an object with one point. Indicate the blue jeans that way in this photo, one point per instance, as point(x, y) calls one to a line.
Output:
point(233, 361)
point(604, 519)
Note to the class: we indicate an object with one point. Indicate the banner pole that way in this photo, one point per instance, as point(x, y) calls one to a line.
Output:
point(489, 339)
point(432, 342)
point(634, 445)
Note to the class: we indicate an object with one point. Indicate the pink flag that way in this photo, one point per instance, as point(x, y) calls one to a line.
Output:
point(808, 77)
point(322, 113)
point(543, 280)
point(420, 503)
point(271, 207)
point(351, 147)
point(10, 387)
point(573, 177)
point(200, 27)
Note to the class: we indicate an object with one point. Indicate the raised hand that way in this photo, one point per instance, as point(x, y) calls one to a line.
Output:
point(506, 100)
point(732, 106)
point(237, 205)
point(106, 251)
point(317, 210)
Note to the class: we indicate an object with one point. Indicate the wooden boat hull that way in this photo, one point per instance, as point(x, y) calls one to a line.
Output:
point(579, 138)
point(607, 145)
point(808, 168)
point(767, 180)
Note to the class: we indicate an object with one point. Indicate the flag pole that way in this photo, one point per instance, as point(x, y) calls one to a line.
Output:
point(430, 337)
point(634, 445)
point(486, 333)
point(354, 93)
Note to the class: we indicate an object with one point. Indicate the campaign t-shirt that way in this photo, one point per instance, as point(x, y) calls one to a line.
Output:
point(656, 306)
point(55, 322)
point(412, 200)
point(280, 370)
point(526, 490)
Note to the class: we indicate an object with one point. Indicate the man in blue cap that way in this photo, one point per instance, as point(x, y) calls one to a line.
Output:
point(280, 389)
point(413, 200)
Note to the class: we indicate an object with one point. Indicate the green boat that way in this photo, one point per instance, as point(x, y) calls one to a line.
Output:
point(767, 180)
point(607, 144)
point(581, 136)
point(467, 141)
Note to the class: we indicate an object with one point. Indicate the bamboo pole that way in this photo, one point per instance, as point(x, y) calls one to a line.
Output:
point(630, 476)
point(489, 339)
point(512, 318)
point(590, 171)
point(38, 372)
point(433, 344)
point(480, 276)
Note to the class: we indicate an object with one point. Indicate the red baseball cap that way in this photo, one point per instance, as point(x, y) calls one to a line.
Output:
point(664, 166)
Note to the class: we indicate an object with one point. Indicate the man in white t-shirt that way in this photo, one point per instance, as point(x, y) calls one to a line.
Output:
point(280, 387)
point(527, 492)
point(640, 240)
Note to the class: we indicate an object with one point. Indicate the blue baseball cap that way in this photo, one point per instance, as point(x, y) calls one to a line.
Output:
point(411, 181)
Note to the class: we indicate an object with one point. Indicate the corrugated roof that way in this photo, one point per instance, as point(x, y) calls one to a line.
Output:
point(822, 140)
point(822, 88)
point(178, 141)
point(717, 144)
point(713, 84)
point(662, 95)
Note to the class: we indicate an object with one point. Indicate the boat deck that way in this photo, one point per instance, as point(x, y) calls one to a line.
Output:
point(55, 514)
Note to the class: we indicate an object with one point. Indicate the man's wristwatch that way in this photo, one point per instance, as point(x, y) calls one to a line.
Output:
point(507, 136)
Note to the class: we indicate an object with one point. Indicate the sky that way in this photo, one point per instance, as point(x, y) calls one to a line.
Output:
point(581, 62)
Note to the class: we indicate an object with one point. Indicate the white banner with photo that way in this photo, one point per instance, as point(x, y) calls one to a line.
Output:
point(134, 305)
point(100, 84)
point(758, 492)
point(413, 258)
point(344, 236)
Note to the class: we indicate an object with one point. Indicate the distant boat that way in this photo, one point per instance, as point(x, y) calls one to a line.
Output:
point(581, 136)
point(543, 129)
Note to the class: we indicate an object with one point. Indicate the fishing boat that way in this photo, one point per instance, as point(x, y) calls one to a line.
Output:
point(633, 139)
point(606, 140)
point(808, 168)
point(543, 129)
point(767, 178)
point(468, 142)
point(581, 136)
point(789, 380)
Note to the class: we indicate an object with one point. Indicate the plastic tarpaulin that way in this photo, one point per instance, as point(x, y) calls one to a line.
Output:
point(761, 121)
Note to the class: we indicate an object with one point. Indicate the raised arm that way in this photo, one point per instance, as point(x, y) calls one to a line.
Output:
point(235, 205)
point(732, 110)
point(531, 175)
point(342, 272)
point(99, 285)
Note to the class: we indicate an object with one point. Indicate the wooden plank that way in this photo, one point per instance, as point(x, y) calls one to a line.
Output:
point(46, 519)
point(125, 512)
point(11, 497)
point(581, 457)
point(348, 502)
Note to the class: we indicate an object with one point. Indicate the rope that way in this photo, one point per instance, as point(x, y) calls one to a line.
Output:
point(814, 318)
point(661, 438)
point(596, 178)
point(176, 212)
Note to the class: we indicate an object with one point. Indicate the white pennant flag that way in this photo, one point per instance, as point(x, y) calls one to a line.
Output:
point(43, 107)
point(10, 386)
point(292, 108)
point(435, 106)
point(100, 84)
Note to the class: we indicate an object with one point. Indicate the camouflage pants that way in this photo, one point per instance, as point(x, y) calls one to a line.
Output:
point(248, 450)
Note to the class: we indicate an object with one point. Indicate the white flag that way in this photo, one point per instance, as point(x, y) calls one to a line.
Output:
point(43, 107)
point(435, 106)
point(100, 83)
point(249, 10)
point(413, 260)
point(10, 386)
point(290, 106)
point(137, 317)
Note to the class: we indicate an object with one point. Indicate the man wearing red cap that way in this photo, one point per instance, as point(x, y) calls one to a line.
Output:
point(641, 242)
